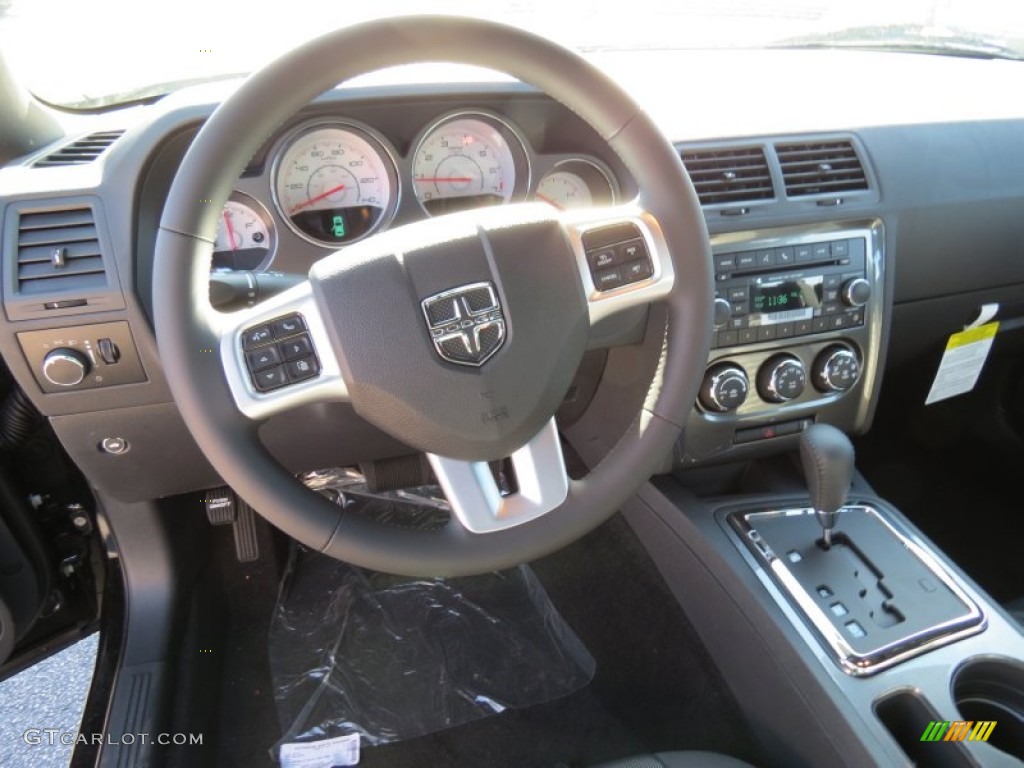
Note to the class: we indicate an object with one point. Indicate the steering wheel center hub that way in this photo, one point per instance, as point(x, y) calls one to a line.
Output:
point(458, 336)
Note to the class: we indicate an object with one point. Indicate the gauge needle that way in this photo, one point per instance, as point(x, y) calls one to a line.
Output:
point(444, 178)
point(231, 233)
point(549, 201)
point(312, 200)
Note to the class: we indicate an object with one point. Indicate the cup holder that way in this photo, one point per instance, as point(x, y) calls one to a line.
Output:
point(993, 690)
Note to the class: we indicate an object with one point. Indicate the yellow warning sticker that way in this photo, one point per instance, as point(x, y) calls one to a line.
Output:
point(962, 362)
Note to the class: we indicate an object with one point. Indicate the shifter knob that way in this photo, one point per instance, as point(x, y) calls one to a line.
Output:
point(827, 457)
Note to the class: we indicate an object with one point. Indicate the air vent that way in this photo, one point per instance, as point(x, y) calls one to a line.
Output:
point(733, 175)
point(822, 167)
point(59, 251)
point(80, 152)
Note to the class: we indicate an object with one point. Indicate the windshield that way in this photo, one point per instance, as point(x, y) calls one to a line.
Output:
point(89, 53)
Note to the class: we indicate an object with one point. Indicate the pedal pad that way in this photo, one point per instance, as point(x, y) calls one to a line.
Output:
point(223, 507)
point(247, 546)
point(219, 504)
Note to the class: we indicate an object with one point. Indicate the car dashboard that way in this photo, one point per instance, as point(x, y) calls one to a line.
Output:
point(838, 248)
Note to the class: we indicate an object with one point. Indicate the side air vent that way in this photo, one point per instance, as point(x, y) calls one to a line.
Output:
point(822, 167)
point(80, 152)
point(729, 175)
point(59, 250)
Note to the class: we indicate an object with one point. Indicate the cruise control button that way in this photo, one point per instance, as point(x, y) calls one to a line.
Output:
point(288, 326)
point(305, 368)
point(295, 348)
point(607, 279)
point(634, 249)
point(262, 358)
point(605, 257)
point(254, 337)
point(271, 378)
point(636, 270)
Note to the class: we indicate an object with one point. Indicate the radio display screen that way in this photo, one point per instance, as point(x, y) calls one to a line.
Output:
point(782, 301)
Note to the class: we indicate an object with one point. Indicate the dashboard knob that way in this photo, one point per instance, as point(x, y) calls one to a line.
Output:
point(781, 378)
point(836, 369)
point(856, 292)
point(725, 388)
point(723, 311)
point(65, 367)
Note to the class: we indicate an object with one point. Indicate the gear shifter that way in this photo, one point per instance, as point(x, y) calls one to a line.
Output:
point(827, 457)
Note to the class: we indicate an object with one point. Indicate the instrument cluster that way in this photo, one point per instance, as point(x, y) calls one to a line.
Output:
point(333, 182)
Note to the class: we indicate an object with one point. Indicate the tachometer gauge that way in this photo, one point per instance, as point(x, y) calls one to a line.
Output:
point(576, 183)
point(245, 235)
point(466, 162)
point(335, 184)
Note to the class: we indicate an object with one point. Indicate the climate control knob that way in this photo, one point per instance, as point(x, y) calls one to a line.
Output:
point(725, 388)
point(781, 378)
point(856, 292)
point(65, 367)
point(836, 369)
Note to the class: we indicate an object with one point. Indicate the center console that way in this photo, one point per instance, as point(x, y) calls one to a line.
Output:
point(798, 327)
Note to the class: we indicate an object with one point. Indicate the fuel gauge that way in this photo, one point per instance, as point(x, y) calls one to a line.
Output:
point(245, 235)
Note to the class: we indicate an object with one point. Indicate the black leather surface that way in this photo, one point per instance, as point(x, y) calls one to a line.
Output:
point(827, 456)
point(686, 759)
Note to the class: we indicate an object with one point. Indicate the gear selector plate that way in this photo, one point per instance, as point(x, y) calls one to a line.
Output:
point(875, 597)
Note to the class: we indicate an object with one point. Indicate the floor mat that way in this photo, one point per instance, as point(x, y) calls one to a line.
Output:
point(655, 687)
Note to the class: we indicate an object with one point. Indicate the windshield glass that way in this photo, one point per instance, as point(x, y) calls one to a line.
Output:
point(91, 53)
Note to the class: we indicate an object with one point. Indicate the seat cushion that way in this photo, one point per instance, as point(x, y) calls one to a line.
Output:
point(677, 760)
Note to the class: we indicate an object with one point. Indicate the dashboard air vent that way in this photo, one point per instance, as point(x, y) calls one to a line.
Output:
point(80, 152)
point(57, 251)
point(729, 175)
point(821, 167)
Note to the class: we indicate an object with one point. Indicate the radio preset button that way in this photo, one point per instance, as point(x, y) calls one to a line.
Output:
point(803, 327)
point(766, 333)
point(784, 331)
point(728, 338)
point(748, 336)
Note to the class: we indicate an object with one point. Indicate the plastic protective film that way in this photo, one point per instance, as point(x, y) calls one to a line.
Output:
point(390, 658)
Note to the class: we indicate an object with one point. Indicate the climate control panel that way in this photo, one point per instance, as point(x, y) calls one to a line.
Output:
point(798, 318)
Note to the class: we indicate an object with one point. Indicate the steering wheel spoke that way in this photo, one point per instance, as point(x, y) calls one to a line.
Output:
point(622, 256)
point(476, 500)
point(277, 355)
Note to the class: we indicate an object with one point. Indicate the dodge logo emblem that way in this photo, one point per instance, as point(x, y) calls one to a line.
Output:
point(466, 323)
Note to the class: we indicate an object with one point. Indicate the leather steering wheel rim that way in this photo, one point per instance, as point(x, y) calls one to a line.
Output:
point(187, 327)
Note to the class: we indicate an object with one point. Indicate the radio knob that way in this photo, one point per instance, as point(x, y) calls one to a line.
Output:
point(781, 378)
point(836, 369)
point(856, 292)
point(723, 311)
point(724, 389)
point(65, 367)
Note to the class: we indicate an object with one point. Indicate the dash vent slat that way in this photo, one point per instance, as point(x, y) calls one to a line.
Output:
point(59, 251)
point(821, 167)
point(80, 152)
point(729, 175)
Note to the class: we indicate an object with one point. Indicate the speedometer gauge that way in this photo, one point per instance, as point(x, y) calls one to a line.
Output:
point(335, 184)
point(466, 162)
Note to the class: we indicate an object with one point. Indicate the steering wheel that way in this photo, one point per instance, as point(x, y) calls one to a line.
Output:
point(458, 335)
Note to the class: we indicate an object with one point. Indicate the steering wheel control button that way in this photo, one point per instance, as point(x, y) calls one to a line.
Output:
point(302, 369)
point(466, 324)
point(617, 256)
point(724, 389)
point(781, 378)
point(608, 279)
point(269, 379)
point(288, 326)
point(261, 359)
point(294, 348)
point(254, 337)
